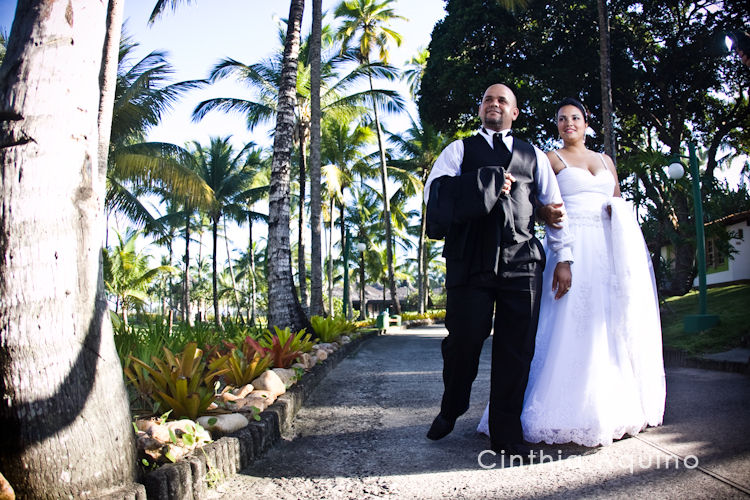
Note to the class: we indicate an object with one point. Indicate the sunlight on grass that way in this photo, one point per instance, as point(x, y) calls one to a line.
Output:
point(730, 302)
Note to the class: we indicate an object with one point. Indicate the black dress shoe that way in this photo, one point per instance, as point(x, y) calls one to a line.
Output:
point(512, 450)
point(441, 427)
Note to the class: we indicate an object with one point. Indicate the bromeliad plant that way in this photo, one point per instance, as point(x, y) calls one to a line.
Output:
point(184, 382)
point(285, 347)
point(247, 363)
point(331, 328)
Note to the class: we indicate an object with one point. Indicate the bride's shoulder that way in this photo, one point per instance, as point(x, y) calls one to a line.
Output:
point(555, 161)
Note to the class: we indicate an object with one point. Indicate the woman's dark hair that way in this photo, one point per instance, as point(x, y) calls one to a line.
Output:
point(569, 101)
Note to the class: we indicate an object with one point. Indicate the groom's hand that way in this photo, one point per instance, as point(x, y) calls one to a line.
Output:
point(562, 279)
point(508, 184)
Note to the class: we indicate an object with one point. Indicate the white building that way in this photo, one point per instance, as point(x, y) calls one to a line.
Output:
point(720, 269)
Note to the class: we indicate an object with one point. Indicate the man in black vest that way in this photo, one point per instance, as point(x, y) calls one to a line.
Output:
point(480, 196)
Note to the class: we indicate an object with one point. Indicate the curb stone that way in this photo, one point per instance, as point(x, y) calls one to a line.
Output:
point(188, 479)
point(682, 359)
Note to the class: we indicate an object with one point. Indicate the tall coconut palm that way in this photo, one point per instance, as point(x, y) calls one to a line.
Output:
point(339, 98)
point(419, 148)
point(341, 150)
point(283, 305)
point(223, 170)
point(414, 70)
point(368, 19)
point(141, 97)
point(316, 253)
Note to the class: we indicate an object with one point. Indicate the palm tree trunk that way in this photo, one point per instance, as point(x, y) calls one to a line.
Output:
point(316, 249)
point(52, 75)
point(330, 260)
point(605, 78)
point(362, 301)
point(231, 274)
point(386, 206)
point(251, 257)
point(301, 267)
point(214, 277)
point(186, 279)
point(284, 309)
point(421, 264)
point(347, 292)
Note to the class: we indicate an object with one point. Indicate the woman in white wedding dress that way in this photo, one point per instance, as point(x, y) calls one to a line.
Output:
point(597, 372)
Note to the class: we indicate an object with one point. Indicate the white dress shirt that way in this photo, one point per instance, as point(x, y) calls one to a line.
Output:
point(449, 163)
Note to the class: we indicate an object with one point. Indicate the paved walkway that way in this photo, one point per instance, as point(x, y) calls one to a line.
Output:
point(361, 435)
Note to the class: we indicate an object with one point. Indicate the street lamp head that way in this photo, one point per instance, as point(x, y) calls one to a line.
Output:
point(675, 170)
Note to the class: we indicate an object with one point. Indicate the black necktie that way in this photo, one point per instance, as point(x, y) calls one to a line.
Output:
point(507, 223)
point(499, 146)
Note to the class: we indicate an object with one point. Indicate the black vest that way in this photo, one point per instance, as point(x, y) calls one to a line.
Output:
point(481, 250)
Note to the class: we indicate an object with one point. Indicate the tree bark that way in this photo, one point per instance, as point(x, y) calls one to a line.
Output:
point(65, 426)
point(186, 279)
point(231, 275)
point(316, 248)
point(301, 267)
point(214, 273)
point(251, 256)
point(284, 309)
point(330, 259)
point(605, 77)
point(421, 262)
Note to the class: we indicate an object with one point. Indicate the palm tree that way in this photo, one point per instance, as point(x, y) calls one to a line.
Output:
point(127, 273)
point(338, 99)
point(283, 306)
point(225, 174)
point(141, 98)
point(420, 147)
point(51, 100)
point(415, 70)
point(368, 18)
point(316, 268)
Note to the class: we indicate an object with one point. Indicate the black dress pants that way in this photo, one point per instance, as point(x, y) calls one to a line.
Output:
point(514, 302)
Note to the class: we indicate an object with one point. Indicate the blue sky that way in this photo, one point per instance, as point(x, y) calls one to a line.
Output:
point(202, 32)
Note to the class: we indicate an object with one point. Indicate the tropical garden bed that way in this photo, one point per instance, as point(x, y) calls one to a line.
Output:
point(191, 384)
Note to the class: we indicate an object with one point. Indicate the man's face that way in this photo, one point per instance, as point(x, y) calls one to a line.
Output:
point(498, 110)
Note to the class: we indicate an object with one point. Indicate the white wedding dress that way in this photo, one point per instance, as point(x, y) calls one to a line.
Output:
point(597, 372)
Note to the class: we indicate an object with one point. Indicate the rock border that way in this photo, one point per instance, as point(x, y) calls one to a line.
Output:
point(188, 479)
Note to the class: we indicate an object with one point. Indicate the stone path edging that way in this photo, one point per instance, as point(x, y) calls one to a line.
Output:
point(189, 478)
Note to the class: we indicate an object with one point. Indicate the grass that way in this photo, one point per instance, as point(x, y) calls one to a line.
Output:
point(731, 303)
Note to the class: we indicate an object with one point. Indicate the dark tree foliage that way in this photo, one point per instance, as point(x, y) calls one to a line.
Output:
point(544, 53)
point(673, 80)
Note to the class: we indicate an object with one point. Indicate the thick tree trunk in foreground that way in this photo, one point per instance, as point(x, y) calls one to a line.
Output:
point(64, 423)
point(283, 305)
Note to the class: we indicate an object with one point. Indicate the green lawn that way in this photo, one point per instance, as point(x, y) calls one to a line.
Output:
point(731, 303)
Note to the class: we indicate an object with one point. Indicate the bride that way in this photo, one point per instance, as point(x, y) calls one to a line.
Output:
point(597, 372)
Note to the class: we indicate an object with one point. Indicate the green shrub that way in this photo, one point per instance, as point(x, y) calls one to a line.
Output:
point(285, 347)
point(183, 382)
point(331, 328)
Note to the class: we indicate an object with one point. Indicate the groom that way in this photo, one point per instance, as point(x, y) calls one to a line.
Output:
point(480, 196)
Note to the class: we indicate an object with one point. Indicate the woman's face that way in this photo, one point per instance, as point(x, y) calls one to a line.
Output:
point(571, 124)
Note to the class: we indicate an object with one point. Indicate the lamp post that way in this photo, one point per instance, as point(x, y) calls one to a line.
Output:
point(701, 321)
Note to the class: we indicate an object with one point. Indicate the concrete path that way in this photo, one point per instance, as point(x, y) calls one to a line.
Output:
point(361, 434)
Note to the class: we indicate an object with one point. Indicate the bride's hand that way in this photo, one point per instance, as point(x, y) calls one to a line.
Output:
point(562, 279)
